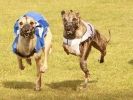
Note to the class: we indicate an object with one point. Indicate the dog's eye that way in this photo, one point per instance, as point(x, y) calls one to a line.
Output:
point(64, 19)
point(21, 23)
point(31, 23)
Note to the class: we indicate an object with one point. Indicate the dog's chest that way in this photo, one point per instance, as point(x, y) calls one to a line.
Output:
point(26, 47)
point(74, 45)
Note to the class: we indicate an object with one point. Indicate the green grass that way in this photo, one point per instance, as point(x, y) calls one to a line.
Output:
point(112, 80)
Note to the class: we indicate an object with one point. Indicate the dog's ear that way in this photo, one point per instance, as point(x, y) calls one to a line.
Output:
point(71, 10)
point(63, 12)
point(77, 14)
point(25, 16)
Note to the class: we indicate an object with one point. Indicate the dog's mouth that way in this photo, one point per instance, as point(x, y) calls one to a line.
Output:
point(70, 33)
point(28, 36)
point(27, 31)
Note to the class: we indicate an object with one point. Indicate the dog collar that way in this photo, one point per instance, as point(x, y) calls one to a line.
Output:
point(25, 56)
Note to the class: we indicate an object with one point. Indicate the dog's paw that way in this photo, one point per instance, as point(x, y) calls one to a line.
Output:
point(22, 67)
point(29, 61)
point(83, 86)
point(101, 61)
point(37, 89)
point(43, 69)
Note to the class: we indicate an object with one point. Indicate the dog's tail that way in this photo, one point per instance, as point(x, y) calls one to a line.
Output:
point(109, 37)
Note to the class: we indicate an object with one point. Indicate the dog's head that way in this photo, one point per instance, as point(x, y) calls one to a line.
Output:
point(27, 27)
point(71, 22)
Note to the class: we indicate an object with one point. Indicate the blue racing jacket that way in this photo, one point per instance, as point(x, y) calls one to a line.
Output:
point(40, 31)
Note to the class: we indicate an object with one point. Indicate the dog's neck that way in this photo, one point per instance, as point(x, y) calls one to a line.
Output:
point(81, 30)
point(26, 46)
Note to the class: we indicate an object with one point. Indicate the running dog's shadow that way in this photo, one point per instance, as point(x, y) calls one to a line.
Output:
point(130, 62)
point(68, 84)
point(18, 85)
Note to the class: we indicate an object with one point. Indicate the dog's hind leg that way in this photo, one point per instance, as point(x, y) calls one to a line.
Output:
point(21, 66)
point(103, 53)
point(100, 42)
point(38, 80)
point(28, 61)
point(85, 49)
point(102, 48)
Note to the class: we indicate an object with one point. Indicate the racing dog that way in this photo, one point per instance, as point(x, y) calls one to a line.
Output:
point(33, 38)
point(79, 37)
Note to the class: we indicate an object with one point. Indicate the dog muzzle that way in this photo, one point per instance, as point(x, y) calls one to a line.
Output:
point(27, 31)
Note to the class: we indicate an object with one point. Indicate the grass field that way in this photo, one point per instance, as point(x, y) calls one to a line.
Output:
point(112, 80)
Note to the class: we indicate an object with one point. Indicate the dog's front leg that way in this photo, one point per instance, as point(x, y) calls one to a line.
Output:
point(66, 48)
point(100, 43)
point(85, 49)
point(20, 63)
point(38, 80)
point(47, 50)
point(69, 50)
point(44, 67)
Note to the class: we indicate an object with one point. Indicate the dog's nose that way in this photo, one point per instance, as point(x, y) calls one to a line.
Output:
point(26, 28)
